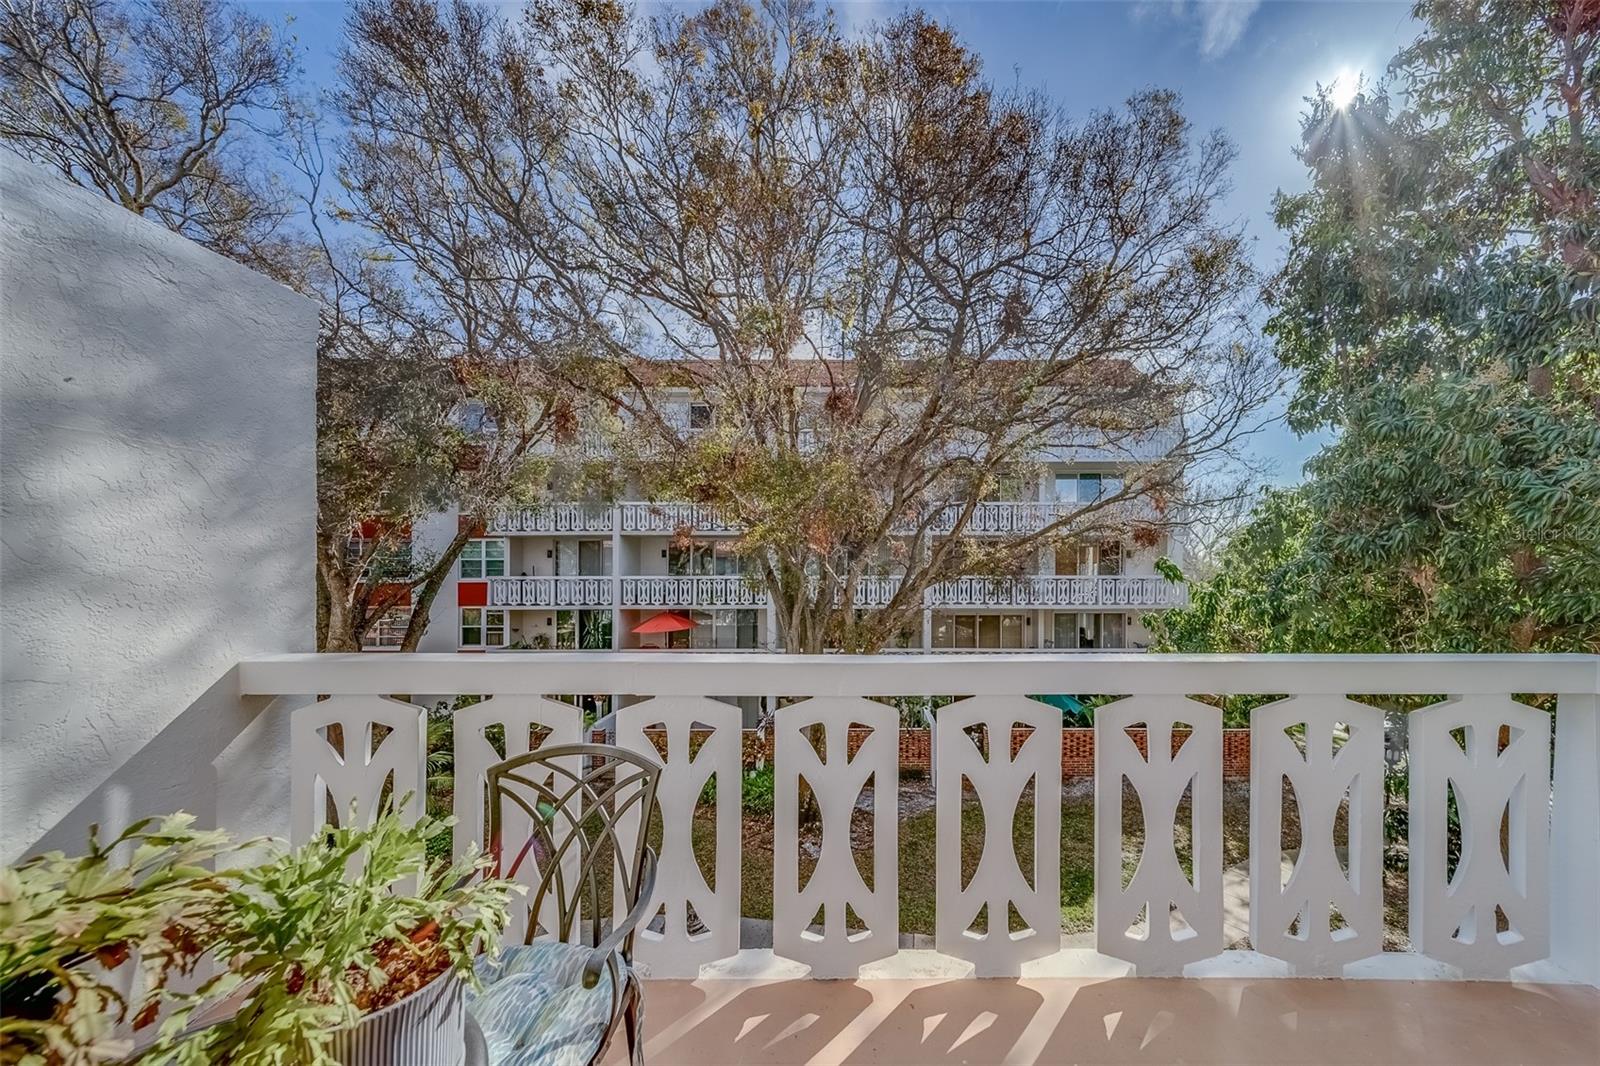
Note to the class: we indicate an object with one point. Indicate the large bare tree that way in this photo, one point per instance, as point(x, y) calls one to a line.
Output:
point(160, 105)
point(894, 283)
point(454, 385)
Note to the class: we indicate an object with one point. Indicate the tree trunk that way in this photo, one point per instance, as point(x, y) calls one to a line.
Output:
point(335, 624)
point(422, 598)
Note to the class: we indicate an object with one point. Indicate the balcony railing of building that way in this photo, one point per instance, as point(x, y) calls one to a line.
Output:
point(670, 518)
point(683, 591)
point(1003, 518)
point(1036, 591)
point(1033, 592)
point(555, 518)
point(550, 592)
point(1504, 851)
point(992, 519)
point(1044, 591)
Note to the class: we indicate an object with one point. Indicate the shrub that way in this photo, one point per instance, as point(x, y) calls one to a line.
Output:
point(758, 791)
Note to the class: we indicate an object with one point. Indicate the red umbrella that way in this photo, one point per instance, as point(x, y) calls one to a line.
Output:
point(665, 622)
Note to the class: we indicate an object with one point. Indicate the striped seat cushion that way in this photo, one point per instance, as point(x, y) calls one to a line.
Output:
point(534, 1010)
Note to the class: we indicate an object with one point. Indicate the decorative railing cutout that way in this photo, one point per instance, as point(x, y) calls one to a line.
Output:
point(859, 921)
point(1324, 756)
point(491, 731)
point(1489, 910)
point(1161, 919)
point(1001, 892)
point(699, 919)
point(375, 757)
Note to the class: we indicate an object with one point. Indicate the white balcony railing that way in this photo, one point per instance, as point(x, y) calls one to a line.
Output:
point(876, 591)
point(1043, 592)
point(1031, 592)
point(993, 519)
point(555, 518)
point(703, 592)
point(550, 592)
point(670, 518)
point(1001, 518)
point(1517, 900)
point(1036, 591)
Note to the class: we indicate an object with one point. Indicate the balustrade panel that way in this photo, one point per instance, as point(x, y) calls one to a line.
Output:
point(1328, 910)
point(691, 920)
point(492, 731)
point(1161, 918)
point(350, 756)
point(859, 920)
point(690, 592)
point(1500, 866)
point(1489, 757)
point(975, 744)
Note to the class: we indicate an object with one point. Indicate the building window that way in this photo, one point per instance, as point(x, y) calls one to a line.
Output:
point(702, 416)
point(1103, 558)
point(724, 629)
point(1090, 631)
point(589, 630)
point(389, 630)
point(1086, 488)
point(592, 558)
point(483, 627)
point(483, 558)
point(704, 558)
point(474, 418)
point(979, 631)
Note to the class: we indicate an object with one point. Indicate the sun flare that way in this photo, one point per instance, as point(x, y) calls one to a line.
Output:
point(1342, 90)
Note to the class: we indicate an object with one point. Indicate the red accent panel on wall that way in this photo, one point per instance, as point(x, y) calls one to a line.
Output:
point(472, 594)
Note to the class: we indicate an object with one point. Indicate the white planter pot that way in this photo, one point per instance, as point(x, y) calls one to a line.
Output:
point(427, 1028)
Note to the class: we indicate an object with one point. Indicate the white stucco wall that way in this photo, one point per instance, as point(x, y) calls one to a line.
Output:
point(157, 501)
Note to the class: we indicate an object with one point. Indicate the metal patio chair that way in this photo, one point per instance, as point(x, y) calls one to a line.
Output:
point(557, 999)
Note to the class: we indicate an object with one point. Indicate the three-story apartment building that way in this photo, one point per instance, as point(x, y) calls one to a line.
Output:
point(582, 575)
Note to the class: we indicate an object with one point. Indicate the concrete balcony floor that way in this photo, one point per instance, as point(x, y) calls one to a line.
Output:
point(1124, 1020)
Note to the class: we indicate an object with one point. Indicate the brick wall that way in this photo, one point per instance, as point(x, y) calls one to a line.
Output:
point(1077, 749)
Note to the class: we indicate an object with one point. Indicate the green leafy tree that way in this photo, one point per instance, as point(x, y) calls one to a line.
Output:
point(1438, 304)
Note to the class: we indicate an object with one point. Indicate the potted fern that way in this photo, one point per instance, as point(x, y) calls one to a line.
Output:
point(351, 949)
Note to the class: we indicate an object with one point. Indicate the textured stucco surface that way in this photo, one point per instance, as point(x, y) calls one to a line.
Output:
point(157, 502)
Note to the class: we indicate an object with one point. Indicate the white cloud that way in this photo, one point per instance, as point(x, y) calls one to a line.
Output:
point(1219, 23)
point(1222, 23)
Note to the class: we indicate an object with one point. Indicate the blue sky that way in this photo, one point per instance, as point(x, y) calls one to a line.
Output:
point(1242, 65)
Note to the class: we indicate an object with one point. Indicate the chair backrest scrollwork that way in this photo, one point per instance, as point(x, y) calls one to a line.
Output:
point(575, 798)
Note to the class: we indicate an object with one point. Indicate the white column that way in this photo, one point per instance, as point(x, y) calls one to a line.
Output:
point(1575, 838)
point(616, 577)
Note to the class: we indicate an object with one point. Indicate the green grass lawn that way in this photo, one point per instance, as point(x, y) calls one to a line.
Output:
point(918, 860)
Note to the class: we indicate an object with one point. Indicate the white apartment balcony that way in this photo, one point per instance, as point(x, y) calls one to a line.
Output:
point(1036, 591)
point(691, 592)
point(1135, 592)
point(1094, 445)
point(670, 518)
point(876, 591)
point(550, 592)
point(1005, 518)
point(992, 519)
point(1502, 845)
point(555, 518)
